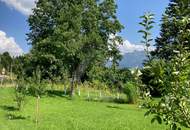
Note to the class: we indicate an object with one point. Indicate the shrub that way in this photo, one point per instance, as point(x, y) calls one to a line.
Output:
point(131, 91)
point(152, 75)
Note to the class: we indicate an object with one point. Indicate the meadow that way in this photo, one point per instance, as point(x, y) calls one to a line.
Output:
point(58, 112)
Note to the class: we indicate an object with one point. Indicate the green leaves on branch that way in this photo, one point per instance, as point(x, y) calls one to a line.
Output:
point(173, 107)
point(174, 22)
point(147, 24)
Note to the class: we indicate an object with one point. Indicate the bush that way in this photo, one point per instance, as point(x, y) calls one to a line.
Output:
point(131, 91)
point(152, 75)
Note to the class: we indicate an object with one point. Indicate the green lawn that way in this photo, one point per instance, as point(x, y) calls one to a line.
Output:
point(59, 113)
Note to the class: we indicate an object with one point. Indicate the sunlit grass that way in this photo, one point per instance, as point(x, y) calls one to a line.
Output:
point(60, 113)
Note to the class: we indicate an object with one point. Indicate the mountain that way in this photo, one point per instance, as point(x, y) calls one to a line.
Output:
point(134, 59)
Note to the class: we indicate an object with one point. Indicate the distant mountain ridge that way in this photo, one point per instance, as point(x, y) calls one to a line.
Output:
point(131, 60)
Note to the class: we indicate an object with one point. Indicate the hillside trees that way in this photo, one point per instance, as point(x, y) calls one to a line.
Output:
point(6, 61)
point(71, 35)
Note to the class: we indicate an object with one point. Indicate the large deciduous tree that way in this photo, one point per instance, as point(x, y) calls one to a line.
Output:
point(71, 35)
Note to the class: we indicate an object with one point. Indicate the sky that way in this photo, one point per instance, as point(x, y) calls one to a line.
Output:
point(14, 26)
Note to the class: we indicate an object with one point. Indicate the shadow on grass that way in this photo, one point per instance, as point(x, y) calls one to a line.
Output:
point(108, 99)
point(11, 116)
point(55, 93)
point(120, 101)
point(8, 108)
point(12, 113)
point(114, 107)
point(58, 93)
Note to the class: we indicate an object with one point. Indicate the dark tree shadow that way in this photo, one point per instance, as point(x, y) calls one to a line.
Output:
point(13, 113)
point(55, 93)
point(8, 108)
point(120, 101)
point(58, 93)
point(11, 116)
point(114, 107)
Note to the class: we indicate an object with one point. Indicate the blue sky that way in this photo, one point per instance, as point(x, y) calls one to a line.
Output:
point(14, 14)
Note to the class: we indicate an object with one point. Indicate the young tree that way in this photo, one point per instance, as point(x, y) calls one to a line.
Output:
point(37, 89)
point(153, 68)
point(20, 93)
point(147, 24)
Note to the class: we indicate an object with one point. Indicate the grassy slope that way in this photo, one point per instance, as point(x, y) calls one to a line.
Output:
point(58, 113)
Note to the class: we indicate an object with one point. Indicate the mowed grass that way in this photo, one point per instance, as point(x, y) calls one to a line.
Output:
point(60, 113)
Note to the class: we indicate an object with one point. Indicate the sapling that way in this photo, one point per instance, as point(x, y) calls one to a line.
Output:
point(86, 84)
point(37, 89)
point(66, 84)
point(20, 93)
point(88, 92)
point(100, 92)
point(65, 89)
point(147, 24)
point(118, 95)
point(78, 86)
point(100, 87)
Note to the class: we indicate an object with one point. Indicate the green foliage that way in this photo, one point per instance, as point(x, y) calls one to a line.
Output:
point(173, 107)
point(6, 62)
point(21, 90)
point(152, 75)
point(110, 76)
point(171, 76)
point(75, 43)
point(177, 10)
point(153, 68)
point(131, 91)
point(37, 86)
point(147, 24)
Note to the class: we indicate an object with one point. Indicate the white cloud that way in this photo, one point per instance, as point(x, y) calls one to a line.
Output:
point(23, 6)
point(128, 47)
point(8, 44)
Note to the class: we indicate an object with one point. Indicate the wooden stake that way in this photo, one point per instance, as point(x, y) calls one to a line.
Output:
point(37, 109)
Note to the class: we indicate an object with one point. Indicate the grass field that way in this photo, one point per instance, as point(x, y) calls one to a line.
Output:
point(60, 113)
